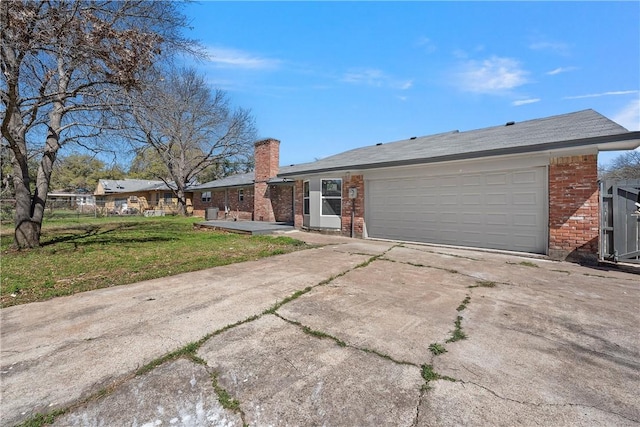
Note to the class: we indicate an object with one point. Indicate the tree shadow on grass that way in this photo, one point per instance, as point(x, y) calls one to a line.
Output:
point(99, 233)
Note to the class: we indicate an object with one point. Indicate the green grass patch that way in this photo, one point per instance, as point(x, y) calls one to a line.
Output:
point(88, 253)
point(437, 349)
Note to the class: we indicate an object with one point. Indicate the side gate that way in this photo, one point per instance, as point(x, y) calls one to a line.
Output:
point(620, 220)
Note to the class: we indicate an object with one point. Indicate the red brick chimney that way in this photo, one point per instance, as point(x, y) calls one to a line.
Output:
point(267, 159)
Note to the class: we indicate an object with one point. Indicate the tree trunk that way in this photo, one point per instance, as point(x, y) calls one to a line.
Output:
point(30, 208)
point(182, 202)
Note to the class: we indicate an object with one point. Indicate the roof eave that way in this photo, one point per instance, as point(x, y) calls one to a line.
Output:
point(625, 141)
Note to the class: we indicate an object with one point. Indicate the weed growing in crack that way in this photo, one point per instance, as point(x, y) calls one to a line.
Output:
point(464, 303)
point(448, 270)
point(458, 334)
point(437, 349)
point(295, 295)
point(483, 284)
point(225, 399)
point(40, 420)
point(524, 263)
point(188, 351)
point(428, 375)
point(320, 334)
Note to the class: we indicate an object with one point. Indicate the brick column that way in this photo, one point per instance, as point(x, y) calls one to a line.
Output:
point(357, 204)
point(298, 197)
point(267, 158)
point(574, 208)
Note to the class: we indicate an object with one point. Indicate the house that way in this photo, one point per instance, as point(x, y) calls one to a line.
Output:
point(118, 195)
point(259, 195)
point(70, 200)
point(530, 187)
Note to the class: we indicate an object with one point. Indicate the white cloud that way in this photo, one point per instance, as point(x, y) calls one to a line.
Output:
point(560, 70)
point(232, 58)
point(596, 95)
point(629, 116)
point(376, 78)
point(370, 76)
point(555, 47)
point(492, 76)
point(525, 101)
point(426, 44)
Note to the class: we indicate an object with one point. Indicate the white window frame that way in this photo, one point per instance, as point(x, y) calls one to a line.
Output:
point(205, 196)
point(323, 197)
point(241, 195)
point(306, 200)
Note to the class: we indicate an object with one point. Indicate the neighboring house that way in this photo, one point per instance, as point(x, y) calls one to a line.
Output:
point(118, 195)
point(529, 186)
point(67, 200)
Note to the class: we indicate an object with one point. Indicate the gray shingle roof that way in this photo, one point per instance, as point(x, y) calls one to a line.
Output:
point(131, 185)
point(529, 136)
point(238, 180)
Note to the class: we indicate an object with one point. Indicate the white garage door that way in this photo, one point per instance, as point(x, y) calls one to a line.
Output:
point(498, 210)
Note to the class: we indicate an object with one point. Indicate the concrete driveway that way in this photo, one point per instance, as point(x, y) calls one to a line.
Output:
point(354, 333)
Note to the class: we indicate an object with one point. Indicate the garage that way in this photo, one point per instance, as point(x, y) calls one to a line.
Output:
point(492, 209)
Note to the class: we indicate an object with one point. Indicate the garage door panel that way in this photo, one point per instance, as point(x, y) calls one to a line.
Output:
point(502, 210)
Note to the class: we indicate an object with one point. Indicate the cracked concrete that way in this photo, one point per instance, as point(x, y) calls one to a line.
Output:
point(555, 344)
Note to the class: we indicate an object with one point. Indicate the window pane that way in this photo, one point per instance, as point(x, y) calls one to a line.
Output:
point(305, 209)
point(332, 187)
point(331, 206)
point(306, 189)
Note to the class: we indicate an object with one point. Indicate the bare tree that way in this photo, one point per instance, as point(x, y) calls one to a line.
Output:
point(625, 166)
point(63, 65)
point(190, 127)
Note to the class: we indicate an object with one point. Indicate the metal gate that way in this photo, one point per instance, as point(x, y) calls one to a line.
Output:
point(620, 220)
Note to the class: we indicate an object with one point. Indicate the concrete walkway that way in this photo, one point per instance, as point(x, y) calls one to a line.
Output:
point(352, 333)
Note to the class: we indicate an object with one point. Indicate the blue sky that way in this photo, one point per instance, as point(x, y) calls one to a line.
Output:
point(325, 77)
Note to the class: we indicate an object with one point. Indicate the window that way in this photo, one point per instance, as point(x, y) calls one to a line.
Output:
point(206, 196)
point(332, 197)
point(168, 198)
point(240, 195)
point(305, 196)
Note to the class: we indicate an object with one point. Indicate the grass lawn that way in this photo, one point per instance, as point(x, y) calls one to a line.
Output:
point(82, 254)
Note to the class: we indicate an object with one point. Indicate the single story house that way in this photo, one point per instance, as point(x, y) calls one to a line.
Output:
point(118, 195)
point(530, 187)
point(69, 200)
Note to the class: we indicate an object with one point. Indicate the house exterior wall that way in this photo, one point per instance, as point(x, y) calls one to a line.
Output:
point(241, 209)
point(282, 202)
point(340, 224)
point(218, 200)
point(574, 207)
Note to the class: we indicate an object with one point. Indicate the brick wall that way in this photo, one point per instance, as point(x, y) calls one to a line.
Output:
point(573, 208)
point(217, 201)
point(282, 202)
point(357, 205)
